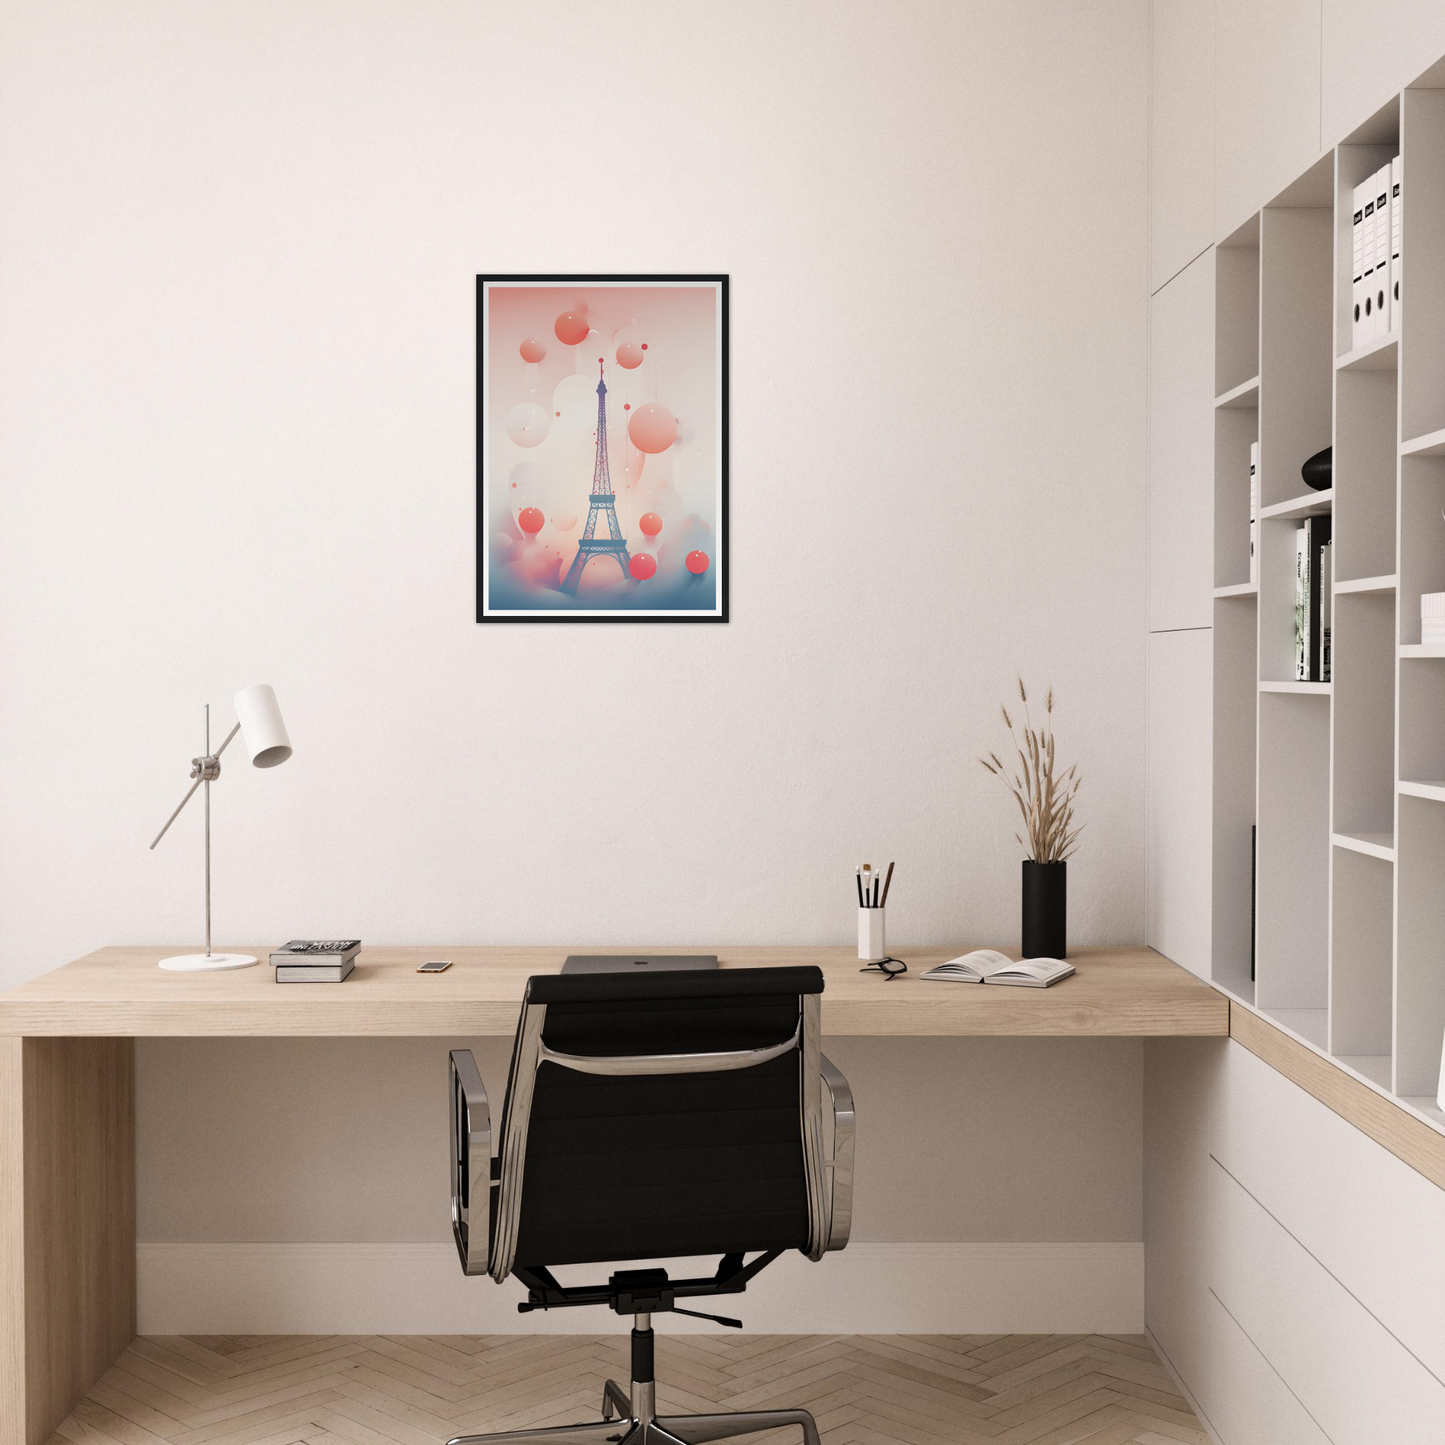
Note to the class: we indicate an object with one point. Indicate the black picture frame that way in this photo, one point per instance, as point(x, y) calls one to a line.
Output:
point(484, 614)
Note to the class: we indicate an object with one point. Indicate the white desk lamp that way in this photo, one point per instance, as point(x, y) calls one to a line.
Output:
point(258, 720)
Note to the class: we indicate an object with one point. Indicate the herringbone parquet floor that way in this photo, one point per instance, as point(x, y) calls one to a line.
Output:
point(418, 1390)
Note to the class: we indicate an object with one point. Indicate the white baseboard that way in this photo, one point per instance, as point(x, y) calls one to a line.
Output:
point(306, 1289)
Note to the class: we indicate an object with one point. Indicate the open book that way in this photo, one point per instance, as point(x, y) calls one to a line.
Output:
point(987, 965)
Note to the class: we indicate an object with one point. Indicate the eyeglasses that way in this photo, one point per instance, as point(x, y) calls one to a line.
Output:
point(890, 968)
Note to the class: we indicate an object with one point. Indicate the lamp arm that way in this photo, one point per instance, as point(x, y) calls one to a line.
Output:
point(177, 813)
point(227, 743)
point(200, 773)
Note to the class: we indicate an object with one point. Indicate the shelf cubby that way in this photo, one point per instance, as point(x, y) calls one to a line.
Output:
point(1364, 703)
point(1236, 311)
point(1365, 459)
point(1296, 367)
point(1235, 429)
point(1294, 852)
point(1422, 720)
point(1420, 962)
point(1422, 537)
point(1236, 705)
point(1362, 902)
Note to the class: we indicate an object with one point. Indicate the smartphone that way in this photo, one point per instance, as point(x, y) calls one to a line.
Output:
point(435, 965)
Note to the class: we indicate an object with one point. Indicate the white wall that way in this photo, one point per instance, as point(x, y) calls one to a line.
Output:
point(237, 252)
point(237, 327)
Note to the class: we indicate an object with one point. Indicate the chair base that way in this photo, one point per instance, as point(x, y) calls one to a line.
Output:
point(641, 1427)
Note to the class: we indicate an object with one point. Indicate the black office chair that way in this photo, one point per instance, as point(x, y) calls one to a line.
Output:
point(650, 1117)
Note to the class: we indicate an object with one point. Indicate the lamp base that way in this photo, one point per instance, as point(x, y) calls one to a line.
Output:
point(207, 962)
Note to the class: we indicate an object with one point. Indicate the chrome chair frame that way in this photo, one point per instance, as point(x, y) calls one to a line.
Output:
point(485, 1227)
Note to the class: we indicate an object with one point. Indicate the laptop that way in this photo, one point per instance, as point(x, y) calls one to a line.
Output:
point(636, 962)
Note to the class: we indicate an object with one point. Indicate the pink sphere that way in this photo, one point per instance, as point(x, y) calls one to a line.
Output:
point(629, 354)
point(696, 563)
point(652, 428)
point(642, 566)
point(530, 521)
point(571, 328)
point(650, 523)
point(532, 349)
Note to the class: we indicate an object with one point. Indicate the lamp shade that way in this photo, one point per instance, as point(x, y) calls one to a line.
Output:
point(262, 730)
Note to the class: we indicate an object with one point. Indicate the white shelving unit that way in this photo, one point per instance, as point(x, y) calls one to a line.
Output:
point(1344, 781)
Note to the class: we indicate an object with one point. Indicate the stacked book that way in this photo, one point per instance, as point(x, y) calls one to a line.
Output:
point(315, 960)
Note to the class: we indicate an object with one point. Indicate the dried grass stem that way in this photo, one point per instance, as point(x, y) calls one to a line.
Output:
point(1045, 797)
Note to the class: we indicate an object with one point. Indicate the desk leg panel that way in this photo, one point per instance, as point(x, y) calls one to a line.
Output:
point(67, 1224)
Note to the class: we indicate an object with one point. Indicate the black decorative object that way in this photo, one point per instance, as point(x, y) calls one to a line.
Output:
point(1046, 908)
point(1319, 471)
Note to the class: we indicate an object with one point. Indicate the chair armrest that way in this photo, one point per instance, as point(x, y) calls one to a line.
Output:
point(840, 1216)
point(471, 1129)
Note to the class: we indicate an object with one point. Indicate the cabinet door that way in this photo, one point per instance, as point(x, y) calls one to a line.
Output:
point(1181, 135)
point(1177, 827)
point(1181, 450)
point(1266, 103)
point(1370, 52)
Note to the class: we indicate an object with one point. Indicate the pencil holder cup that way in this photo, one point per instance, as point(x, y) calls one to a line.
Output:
point(871, 946)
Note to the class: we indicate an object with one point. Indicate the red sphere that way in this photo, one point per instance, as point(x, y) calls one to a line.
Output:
point(532, 349)
point(530, 521)
point(642, 566)
point(697, 563)
point(650, 523)
point(571, 328)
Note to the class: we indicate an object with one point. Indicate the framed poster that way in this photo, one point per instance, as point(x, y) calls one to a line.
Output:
point(602, 448)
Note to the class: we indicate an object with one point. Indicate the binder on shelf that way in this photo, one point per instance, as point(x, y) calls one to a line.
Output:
point(1396, 226)
point(1254, 513)
point(1357, 268)
point(1367, 320)
point(1382, 252)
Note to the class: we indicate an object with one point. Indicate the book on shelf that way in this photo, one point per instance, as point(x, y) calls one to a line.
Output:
point(1326, 607)
point(1310, 610)
point(988, 965)
point(314, 972)
point(1254, 513)
point(1301, 606)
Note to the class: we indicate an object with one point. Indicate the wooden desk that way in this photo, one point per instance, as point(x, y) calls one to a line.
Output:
point(119, 992)
point(67, 1091)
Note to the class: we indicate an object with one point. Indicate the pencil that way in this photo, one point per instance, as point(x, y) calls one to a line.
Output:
point(859, 881)
point(887, 883)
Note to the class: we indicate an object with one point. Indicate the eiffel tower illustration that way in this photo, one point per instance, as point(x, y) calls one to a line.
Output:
point(604, 504)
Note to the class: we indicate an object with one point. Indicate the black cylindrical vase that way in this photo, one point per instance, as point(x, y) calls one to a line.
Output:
point(1046, 909)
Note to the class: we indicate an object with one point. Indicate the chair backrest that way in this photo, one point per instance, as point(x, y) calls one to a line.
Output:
point(669, 1114)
